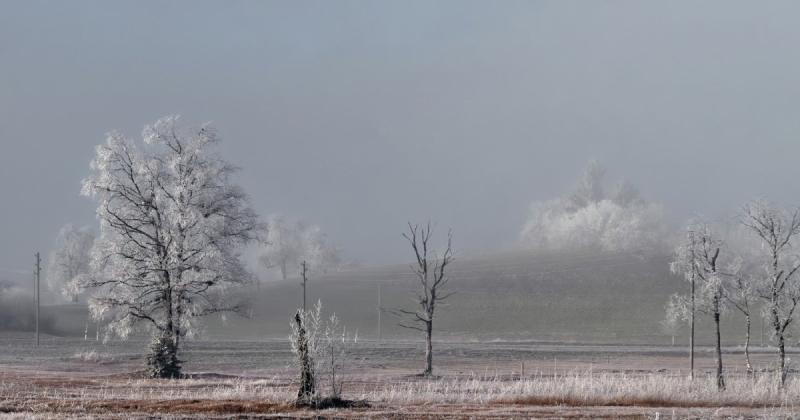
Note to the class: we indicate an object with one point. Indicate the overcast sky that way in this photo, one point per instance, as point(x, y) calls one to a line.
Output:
point(359, 116)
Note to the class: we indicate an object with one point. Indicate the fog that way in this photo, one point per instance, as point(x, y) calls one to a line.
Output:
point(360, 116)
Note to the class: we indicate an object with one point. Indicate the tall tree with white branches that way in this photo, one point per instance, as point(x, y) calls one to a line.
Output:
point(779, 286)
point(69, 260)
point(172, 223)
point(431, 272)
point(707, 247)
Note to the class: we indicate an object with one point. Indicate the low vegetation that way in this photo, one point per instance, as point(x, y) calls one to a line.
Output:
point(758, 395)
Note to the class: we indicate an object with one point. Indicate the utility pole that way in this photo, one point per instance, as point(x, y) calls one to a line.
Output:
point(304, 273)
point(380, 336)
point(691, 332)
point(37, 295)
point(33, 292)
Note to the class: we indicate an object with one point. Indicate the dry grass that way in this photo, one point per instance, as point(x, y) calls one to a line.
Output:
point(594, 389)
point(473, 395)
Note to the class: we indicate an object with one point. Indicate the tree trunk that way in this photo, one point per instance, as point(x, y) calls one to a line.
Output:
point(720, 378)
point(305, 394)
point(428, 348)
point(747, 344)
point(782, 358)
point(169, 352)
point(776, 323)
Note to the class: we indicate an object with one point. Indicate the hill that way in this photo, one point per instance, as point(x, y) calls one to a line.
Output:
point(553, 297)
point(587, 297)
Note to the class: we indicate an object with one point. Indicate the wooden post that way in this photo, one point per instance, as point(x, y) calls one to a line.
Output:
point(37, 295)
point(380, 334)
point(304, 272)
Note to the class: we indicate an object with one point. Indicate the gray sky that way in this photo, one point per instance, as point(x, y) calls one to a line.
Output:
point(359, 116)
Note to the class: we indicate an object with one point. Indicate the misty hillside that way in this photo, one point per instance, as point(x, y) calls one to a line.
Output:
point(588, 297)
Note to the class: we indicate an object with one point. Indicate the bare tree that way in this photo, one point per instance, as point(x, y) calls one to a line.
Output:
point(779, 287)
point(431, 272)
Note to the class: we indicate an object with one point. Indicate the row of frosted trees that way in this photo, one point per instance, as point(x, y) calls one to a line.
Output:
point(750, 267)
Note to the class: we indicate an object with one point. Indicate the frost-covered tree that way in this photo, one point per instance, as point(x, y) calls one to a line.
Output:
point(290, 242)
point(697, 259)
point(69, 260)
point(711, 302)
point(680, 310)
point(591, 218)
point(779, 285)
point(589, 188)
point(678, 313)
point(171, 226)
point(431, 272)
point(742, 275)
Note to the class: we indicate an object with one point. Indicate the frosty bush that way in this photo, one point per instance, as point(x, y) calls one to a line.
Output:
point(590, 218)
point(320, 349)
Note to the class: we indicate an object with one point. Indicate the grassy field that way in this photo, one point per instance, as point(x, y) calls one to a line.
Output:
point(596, 297)
point(548, 336)
point(66, 378)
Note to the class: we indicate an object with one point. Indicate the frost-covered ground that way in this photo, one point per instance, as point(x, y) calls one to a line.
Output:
point(71, 377)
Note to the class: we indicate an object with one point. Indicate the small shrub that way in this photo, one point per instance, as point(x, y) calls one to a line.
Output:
point(162, 360)
point(320, 348)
